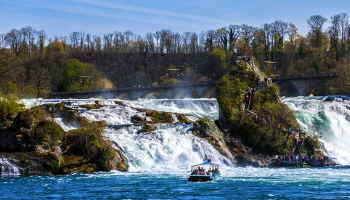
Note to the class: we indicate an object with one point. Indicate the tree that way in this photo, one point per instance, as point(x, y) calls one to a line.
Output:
point(344, 26)
point(78, 76)
point(233, 35)
point(315, 23)
point(222, 37)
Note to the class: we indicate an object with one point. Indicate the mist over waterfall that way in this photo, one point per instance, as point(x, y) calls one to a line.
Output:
point(330, 120)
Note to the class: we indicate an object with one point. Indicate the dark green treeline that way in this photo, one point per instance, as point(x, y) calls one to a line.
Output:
point(33, 64)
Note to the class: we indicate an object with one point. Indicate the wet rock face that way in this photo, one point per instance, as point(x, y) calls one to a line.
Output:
point(205, 128)
point(159, 117)
point(147, 128)
point(97, 105)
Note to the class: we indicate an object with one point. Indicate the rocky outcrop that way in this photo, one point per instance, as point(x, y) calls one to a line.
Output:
point(147, 128)
point(97, 105)
point(38, 145)
point(205, 128)
point(255, 133)
point(158, 117)
point(239, 154)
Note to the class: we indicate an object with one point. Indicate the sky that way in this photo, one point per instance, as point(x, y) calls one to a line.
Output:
point(62, 17)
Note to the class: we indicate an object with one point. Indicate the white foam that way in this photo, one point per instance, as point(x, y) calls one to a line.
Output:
point(329, 120)
point(7, 168)
point(169, 149)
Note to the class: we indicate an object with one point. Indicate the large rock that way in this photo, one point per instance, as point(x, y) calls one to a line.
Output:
point(158, 117)
point(239, 154)
point(38, 145)
point(205, 128)
point(263, 127)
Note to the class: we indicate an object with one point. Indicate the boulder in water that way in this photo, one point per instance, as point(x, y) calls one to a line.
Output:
point(147, 128)
point(205, 128)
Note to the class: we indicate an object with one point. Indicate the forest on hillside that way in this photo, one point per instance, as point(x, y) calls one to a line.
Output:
point(33, 64)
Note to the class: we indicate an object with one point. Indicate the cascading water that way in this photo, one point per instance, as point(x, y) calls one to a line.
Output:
point(330, 120)
point(169, 149)
point(174, 148)
point(7, 168)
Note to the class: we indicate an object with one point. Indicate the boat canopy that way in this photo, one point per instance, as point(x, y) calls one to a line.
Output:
point(205, 165)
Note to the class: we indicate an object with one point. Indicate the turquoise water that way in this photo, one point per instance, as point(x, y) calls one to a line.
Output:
point(239, 183)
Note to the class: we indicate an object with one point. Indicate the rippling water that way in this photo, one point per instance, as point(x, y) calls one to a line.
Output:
point(238, 183)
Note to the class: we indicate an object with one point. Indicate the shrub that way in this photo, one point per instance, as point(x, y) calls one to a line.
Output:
point(29, 118)
point(311, 144)
point(48, 134)
point(9, 108)
point(87, 141)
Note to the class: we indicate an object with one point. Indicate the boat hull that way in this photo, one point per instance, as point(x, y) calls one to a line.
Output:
point(200, 178)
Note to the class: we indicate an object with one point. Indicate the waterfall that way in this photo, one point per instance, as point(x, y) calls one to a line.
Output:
point(7, 168)
point(172, 148)
point(169, 149)
point(330, 120)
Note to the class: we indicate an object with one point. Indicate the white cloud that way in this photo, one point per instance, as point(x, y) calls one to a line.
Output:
point(108, 4)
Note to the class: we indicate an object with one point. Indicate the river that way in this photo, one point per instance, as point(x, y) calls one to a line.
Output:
point(160, 161)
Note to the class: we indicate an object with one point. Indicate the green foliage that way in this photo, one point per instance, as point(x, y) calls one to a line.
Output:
point(84, 140)
point(30, 92)
point(48, 134)
point(88, 141)
point(78, 76)
point(29, 118)
point(80, 150)
point(72, 75)
point(311, 144)
point(232, 87)
point(258, 127)
point(9, 108)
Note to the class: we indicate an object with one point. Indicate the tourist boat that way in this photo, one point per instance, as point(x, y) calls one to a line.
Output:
point(204, 172)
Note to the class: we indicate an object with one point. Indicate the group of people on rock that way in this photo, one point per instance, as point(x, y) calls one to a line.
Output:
point(202, 171)
point(248, 97)
point(250, 91)
point(249, 60)
point(298, 158)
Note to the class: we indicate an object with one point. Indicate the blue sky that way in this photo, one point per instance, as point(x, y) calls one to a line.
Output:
point(61, 17)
